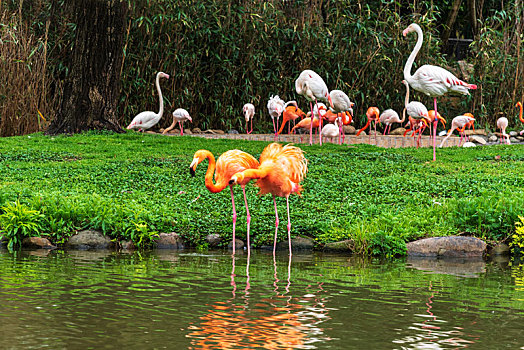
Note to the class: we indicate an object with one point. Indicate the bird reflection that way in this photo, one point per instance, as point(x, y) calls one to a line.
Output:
point(280, 321)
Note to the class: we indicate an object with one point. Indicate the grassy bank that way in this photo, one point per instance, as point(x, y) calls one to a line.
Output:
point(132, 186)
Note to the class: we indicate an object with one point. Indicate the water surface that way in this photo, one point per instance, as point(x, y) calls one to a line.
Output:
point(193, 300)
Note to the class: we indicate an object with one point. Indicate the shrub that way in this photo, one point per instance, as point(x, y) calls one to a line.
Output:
point(18, 221)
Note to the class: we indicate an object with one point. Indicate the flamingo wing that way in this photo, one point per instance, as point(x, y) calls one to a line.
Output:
point(232, 162)
point(436, 81)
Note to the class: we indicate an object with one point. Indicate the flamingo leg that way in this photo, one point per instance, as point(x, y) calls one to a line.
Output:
point(251, 125)
point(435, 123)
point(248, 222)
point(375, 126)
point(274, 128)
point(288, 226)
point(234, 218)
point(181, 129)
point(311, 124)
point(276, 226)
point(247, 129)
point(276, 135)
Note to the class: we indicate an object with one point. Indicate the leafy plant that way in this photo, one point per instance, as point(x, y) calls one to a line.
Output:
point(140, 234)
point(517, 239)
point(18, 221)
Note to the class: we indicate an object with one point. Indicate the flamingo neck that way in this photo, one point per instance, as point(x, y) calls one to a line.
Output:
point(403, 116)
point(411, 59)
point(406, 101)
point(520, 113)
point(214, 188)
point(157, 83)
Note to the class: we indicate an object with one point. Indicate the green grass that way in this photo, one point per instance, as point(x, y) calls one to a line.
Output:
point(131, 186)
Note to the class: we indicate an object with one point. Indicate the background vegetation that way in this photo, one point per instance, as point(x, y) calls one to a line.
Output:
point(222, 54)
point(132, 186)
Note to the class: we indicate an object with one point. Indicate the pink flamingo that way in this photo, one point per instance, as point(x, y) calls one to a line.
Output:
point(146, 120)
point(310, 85)
point(502, 124)
point(458, 123)
point(341, 104)
point(388, 117)
point(280, 172)
point(249, 111)
point(431, 80)
point(180, 115)
point(228, 164)
point(333, 130)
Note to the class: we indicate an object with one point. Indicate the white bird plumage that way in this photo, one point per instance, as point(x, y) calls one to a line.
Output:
point(249, 111)
point(388, 117)
point(332, 130)
point(146, 120)
point(456, 124)
point(502, 124)
point(341, 102)
point(415, 109)
point(275, 107)
point(180, 115)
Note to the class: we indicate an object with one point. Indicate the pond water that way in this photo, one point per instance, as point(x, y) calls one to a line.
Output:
point(195, 300)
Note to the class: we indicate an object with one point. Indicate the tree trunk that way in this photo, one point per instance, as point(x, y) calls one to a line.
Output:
point(449, 23)
point(92, 88)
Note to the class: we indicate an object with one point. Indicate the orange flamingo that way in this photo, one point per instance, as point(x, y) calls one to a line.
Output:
point(280, 172)
point(519, 105)
point(416, 125)
point(227, 165)
point(291, 113)
point(431, 115)
point(306, 124)
point(373, 115)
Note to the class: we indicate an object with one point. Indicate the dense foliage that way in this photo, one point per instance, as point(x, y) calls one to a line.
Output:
point(132, 186)
point(222, 54)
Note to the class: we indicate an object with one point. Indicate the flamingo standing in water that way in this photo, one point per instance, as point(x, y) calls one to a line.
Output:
point(146, 120)
point(275, 107)
point(502, 124)
point(228, 164)
point(310, 85)
point(519, 105)
point(458, 123)
point(373, 115)
point(291, 113)
point(180, 115)
point(280, 172)
point(416, 110)
point(431, 80)
point(388, 117)
point(249, 112)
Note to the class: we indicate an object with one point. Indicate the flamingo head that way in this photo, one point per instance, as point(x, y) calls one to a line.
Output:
point(411, 28)
point(198, 157)
point(236, 179)
point(163, 75)
point(328, 97)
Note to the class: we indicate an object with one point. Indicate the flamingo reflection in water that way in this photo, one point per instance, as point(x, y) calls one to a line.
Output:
point(280, 321)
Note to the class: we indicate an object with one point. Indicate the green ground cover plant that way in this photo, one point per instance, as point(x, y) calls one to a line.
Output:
point(134, 186)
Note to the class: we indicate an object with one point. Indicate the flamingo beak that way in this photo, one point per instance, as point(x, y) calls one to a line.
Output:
point(190, 119)
point(330, 102)
point(192, 167)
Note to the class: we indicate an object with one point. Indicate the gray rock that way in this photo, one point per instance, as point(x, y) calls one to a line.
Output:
point(442, 132)
point(372, 132)
point(513, 140)
point(89, 239)
point(363, 133)
point(196, 131)
point(213, 240)
point(493, 138)
point(37, 242)
point(169, 241)
point(188, 131)
point(209, 131)
point(349, 130)
point(470, 132)
point(469, 144)
point(452, 246)
point(239, 244)
point(220, 132)
point(478, 139)
point(341, 246)
point(232, 131)
point(513, 133)
point(500, 249)
point(398, 131)
point(520, 138)
point(297, 243)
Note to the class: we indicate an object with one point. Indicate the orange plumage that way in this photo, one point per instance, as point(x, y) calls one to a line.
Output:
point(519, 105)
point(306, 123)
point(291, 112)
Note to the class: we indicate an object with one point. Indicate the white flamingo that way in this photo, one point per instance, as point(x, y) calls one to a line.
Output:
point(341, 104)
point(502, 124)
point(145, 120)
point(310, 85)
point(458, 123)
point(249, 112)
point(333, 130)
point(388, 117)
point(180, 115)
point(415, 110)
point(275, 107)
point(431, 80)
